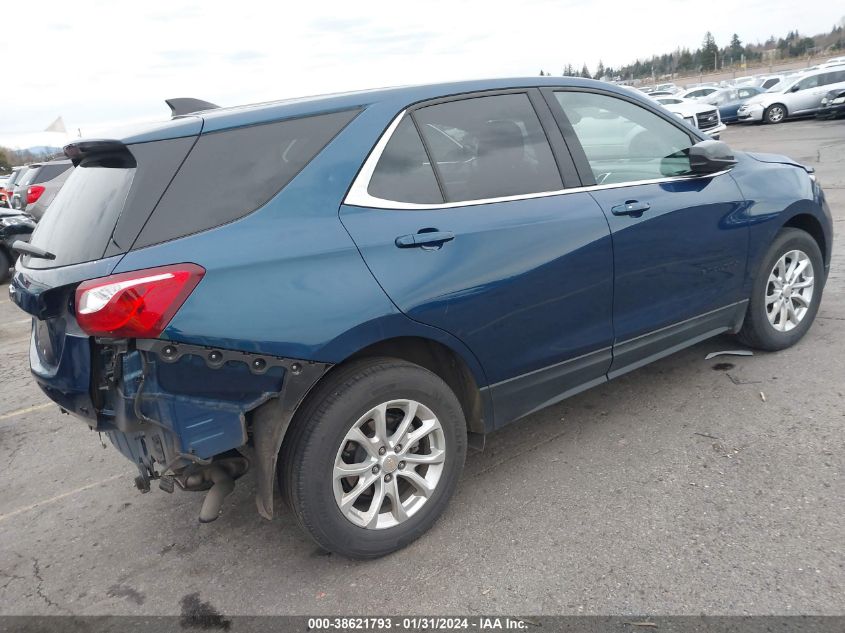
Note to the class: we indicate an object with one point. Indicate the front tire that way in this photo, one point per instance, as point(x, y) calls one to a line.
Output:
point(786, 294)
point(775, 113)
point(373, 457)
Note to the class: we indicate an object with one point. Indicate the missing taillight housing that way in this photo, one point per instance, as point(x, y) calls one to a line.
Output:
point(34, 192)
point(138, 304)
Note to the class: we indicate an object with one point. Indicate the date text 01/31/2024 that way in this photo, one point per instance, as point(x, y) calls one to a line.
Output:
point(417, 623)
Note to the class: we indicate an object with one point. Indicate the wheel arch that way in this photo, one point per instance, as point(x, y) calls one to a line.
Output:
point(810, 224)
point(271, 421)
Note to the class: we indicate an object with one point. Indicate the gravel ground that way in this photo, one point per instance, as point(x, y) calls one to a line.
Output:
point(673, 490)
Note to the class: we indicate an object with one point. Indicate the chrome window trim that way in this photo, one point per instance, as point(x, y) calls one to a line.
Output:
point(359, 195)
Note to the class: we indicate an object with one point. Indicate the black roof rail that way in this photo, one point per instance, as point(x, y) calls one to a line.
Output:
point(186, 105)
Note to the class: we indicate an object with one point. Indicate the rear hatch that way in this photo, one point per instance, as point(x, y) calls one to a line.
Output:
point(92, 222)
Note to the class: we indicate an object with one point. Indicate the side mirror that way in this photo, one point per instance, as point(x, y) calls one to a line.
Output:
point(709, 157)
point(795, 88)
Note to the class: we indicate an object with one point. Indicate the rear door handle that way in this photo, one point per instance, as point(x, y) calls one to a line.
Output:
point(633, 208)
point(430, 238)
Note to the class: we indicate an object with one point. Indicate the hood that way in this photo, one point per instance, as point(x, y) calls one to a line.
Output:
point(779, 159)
point(689, 108)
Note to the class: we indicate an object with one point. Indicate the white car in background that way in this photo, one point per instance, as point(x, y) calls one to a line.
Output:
point(697, 92)
point(703, 116)
point(801, 95)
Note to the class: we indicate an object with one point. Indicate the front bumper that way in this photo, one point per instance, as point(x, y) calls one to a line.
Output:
point(831, 112)
point(752, 112)
point(716, 131)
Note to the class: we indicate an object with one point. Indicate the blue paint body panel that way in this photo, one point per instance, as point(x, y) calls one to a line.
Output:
point(532, 295)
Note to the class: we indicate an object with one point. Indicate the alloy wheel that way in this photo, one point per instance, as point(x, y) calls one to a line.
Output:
point(789, 291)
point(776, 114)
point(389, 464)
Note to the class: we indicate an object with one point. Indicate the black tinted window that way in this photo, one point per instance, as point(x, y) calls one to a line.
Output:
point(489, 147)
point(403, 172)
point(50, 171)
point(78, 223)
point(231, 173)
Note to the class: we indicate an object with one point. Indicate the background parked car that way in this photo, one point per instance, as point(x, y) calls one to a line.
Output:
point(801, 96)
point(729, 102)
point(14, 226)
point(6, 192)
point(40, 179)
point(833, 105)
point(698, 92)
point(45, 185)
point(699, 115)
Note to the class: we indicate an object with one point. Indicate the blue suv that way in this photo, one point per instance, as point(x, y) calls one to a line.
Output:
point(391, 275)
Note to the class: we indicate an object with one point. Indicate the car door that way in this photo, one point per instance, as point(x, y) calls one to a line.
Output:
point(680, 246)
point(806, 95)
point(480, 237)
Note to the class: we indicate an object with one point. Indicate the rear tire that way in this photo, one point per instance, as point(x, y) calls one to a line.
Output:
point(401, 490)
point(5, 265)
point(775, 113)
point(779, 314)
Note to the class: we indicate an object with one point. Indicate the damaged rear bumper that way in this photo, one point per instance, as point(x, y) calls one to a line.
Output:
point(182, 414)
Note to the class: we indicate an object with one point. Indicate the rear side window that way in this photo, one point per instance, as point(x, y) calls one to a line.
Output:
point(231, 173)
point(488, 147)
point(403, 172)
point(50, 171)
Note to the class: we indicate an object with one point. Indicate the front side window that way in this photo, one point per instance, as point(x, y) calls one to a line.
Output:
point(623, 141)
point(488, 147)
point(808, 82)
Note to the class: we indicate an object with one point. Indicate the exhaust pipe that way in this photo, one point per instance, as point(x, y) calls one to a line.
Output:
point(222, 487)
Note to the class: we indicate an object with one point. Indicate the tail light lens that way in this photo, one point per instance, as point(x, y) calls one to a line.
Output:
point(33, 193)
point(139, 304)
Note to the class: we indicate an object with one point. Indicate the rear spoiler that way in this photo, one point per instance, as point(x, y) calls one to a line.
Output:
point(185, 105)
point(80, 149)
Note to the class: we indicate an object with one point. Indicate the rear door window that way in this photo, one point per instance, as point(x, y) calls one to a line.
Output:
point(488, 147)
point(403, 172)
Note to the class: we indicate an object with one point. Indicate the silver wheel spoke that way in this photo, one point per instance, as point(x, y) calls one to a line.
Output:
point(370, 518)
point(396, 507)
point(435, 457)
point(772, 314)
point(399, 435)
point(369, 444)
point(800, 299)
point(348, 500)
point(380, 422)
point(422, 486)
point(417, 434)
point(353, 470)
point(807, 283)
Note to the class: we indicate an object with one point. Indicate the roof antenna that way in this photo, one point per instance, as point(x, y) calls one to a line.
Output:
point(186, 105)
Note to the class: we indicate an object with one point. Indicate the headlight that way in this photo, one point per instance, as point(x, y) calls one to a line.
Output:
point(690, 120)
point(824, 100)
point(11, 221)
point(838, 100)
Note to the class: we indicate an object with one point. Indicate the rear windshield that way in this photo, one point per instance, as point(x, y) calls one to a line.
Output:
point(50, 171)
point(77, 225)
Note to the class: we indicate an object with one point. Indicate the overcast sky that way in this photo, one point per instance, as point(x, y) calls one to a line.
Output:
point(100, 63)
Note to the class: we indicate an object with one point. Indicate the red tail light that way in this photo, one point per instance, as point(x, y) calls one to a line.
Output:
point(139, 304)
point(33, 193)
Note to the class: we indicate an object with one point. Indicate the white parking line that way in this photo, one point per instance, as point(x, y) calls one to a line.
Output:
point(69, 493)
point(36, 407)
point(19, 321)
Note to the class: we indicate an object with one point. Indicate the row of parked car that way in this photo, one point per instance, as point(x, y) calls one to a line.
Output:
point(25, 194)
point(819, 91)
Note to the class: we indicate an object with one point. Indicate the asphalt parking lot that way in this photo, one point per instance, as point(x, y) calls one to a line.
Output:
point(686, 487)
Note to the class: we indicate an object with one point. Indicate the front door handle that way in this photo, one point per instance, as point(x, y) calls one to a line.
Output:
point(429, 238)
point(634, 208)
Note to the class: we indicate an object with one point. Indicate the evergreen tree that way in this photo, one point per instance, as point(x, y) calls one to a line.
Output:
point(585, 72)
point(600, 71)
